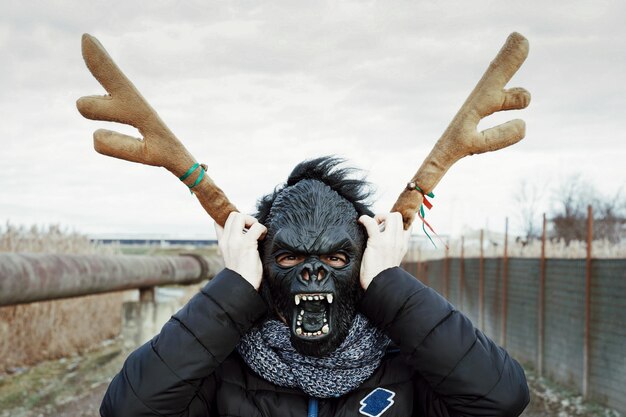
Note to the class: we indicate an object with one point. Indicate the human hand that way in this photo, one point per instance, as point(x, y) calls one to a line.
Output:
point(240, 247)
point(386, 248)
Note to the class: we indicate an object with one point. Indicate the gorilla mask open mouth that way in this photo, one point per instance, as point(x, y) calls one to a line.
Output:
point(312, 315)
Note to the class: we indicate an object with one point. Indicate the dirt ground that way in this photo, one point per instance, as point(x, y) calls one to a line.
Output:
point(66, 387)
point(74, 387)
point(550, 400)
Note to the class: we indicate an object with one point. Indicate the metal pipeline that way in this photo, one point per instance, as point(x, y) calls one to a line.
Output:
point(25, 278)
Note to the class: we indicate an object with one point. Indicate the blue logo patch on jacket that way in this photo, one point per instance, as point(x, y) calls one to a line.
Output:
point(377, 402)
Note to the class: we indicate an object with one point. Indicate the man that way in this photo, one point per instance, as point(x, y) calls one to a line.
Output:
point(312, 316)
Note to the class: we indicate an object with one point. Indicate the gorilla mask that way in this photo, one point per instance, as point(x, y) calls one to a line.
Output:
point(311, 259)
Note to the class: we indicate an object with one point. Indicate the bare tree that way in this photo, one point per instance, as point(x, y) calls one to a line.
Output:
point(528, 197)
point(610, 218)
point(570, 214)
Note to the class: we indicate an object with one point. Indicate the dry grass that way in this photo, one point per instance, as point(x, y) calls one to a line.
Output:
point(493, 247)
point(34, 332)
point(51, 239)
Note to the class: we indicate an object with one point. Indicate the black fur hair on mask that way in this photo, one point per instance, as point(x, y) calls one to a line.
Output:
point(312, 252)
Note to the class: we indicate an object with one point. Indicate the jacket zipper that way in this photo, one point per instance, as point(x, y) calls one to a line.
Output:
point(313, 406)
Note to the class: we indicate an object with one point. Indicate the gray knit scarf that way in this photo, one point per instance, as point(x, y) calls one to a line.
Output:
point(268, 351)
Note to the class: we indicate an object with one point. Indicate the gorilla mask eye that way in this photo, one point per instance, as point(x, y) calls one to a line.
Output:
point(289, 259)
point(335, 260)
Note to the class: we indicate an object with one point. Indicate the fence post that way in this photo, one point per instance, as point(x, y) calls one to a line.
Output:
point(147, 294)
point(142, 319)
point(505, 282)
point(481, 284)
point(540, 302)
point(587, 303)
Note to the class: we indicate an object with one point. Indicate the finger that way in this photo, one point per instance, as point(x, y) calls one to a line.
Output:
point(256, 231)
point(394, 222)
point(389, 221)
point(264, 233)
point(371, 225)
point(236, 225)
point(249, 220)
point(381, 217)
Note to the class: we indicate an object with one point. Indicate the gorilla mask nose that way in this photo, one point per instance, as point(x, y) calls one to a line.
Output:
point(313, 271)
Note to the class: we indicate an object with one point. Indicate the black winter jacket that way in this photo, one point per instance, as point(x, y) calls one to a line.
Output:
point(444, 366)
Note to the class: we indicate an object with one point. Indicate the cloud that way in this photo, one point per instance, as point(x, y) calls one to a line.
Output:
point(253, 88)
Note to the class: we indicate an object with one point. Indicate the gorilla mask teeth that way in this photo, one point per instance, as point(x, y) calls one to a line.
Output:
point(313, 297)
point(311, 314)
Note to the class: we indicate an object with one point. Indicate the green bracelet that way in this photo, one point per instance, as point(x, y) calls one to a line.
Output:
point(197, 180)
point(188, 173)
point(191, 171)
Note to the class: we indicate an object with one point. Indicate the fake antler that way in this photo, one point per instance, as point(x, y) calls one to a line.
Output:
point(461, 138)
point(159, 147)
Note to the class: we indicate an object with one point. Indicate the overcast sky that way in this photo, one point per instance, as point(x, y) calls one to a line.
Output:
point(252, 88)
